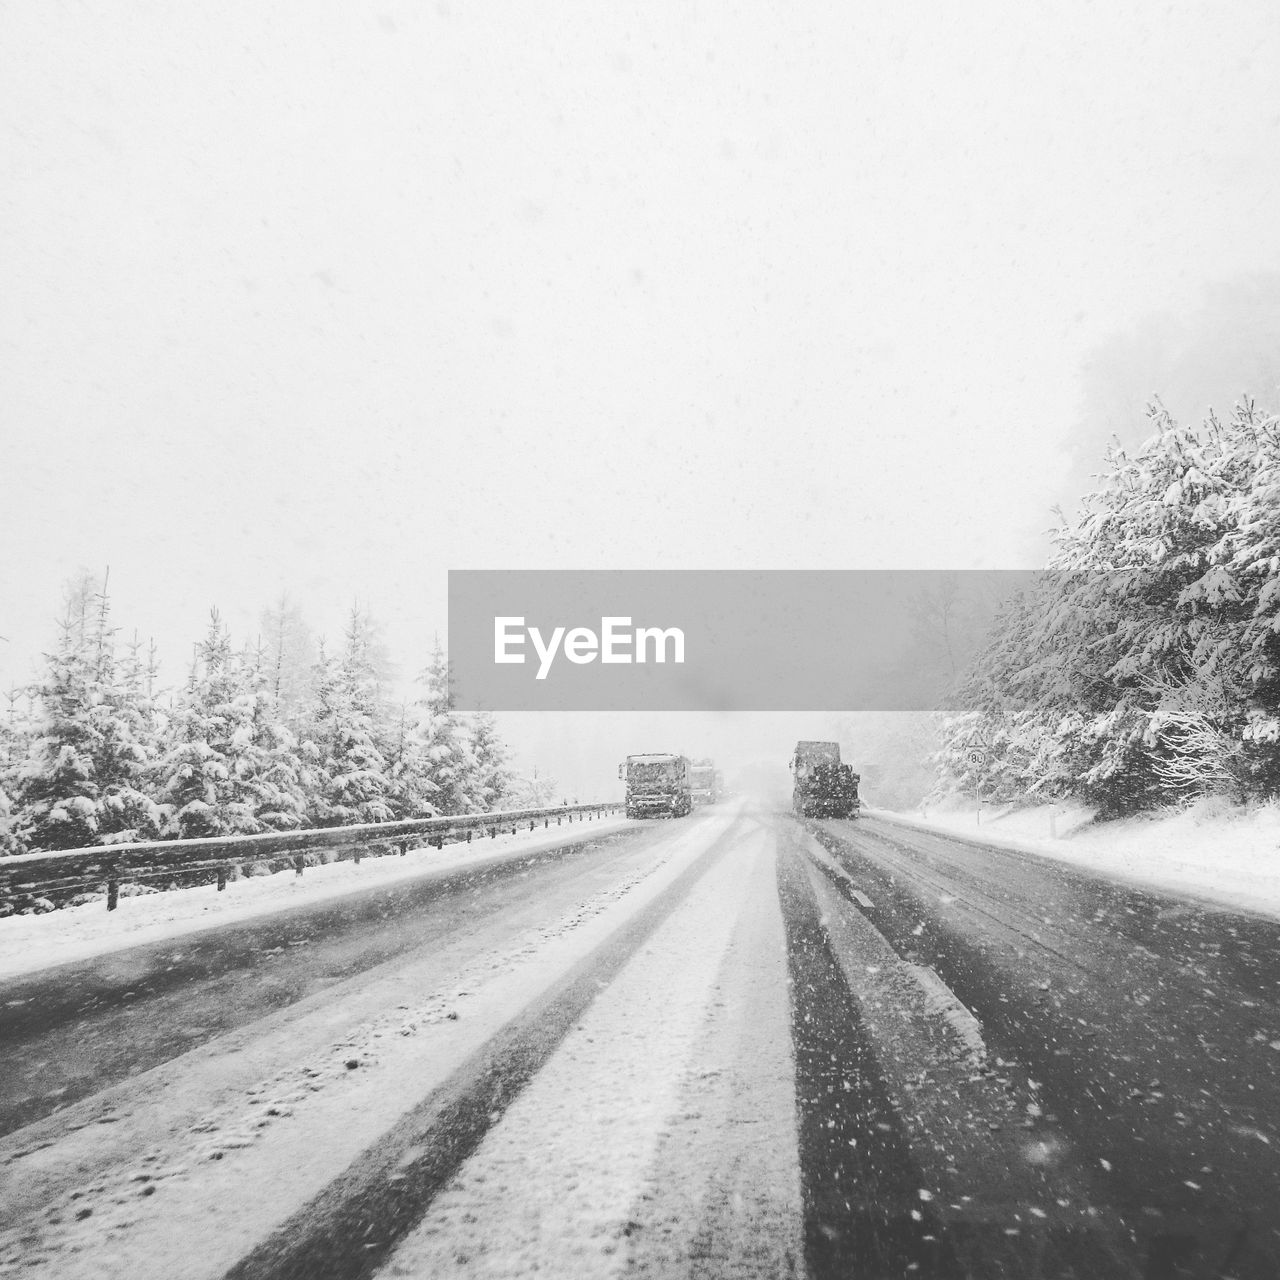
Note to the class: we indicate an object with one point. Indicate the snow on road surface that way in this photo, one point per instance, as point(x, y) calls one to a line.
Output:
point(649, 1082)
point(1218, 854)
point(183, 1170)
point(968, 1128)
point(661, 1134)
point(32, 942)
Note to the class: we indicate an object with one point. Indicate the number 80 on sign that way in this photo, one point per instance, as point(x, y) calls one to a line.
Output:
point(975, 757)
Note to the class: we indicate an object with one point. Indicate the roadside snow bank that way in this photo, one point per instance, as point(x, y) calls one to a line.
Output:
point(1220, 854)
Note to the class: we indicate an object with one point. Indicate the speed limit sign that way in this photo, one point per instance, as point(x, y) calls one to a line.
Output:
point(976, 757)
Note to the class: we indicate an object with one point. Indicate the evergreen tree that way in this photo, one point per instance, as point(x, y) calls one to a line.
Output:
point(14, 732)
point(411, 792)
point(288, 659)
point(8, 837)
point(58, 793)
point(1147, 664)
point(448, 753)
point(492, 777)
point(532, 790)
point(196, 772)
point(267, 765)
point(232, 767)
point(98, 756)
point(82, 778)
point(352, 772)
point(129, 738)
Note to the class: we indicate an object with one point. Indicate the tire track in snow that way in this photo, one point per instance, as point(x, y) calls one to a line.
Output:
point(71, 1031)
point(1014, 1196)
point(660, 1139)
point(349, 1229)
point(864, 1213)
point(234, 1137)
point(723, 1191)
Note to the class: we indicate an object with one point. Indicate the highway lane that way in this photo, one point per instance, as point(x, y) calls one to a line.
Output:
point(72, 1030)
point(1130, 1032)
point(246, 1153)
point(355, 1223)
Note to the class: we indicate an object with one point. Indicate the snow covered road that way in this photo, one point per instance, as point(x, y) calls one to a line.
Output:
point(224, 1143)
point(728, 1046)
point(661, 1130)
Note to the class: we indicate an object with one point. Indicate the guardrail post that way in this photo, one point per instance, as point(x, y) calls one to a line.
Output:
point(113, 894)
point(222, 879)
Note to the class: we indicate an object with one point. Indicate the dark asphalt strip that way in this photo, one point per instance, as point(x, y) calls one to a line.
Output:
point(1183, 1205)
point(1229, 946)
point(349, 1229)
point(1010, 1243)
point(863, 1214)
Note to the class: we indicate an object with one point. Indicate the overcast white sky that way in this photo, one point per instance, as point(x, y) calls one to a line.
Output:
point(333, 297)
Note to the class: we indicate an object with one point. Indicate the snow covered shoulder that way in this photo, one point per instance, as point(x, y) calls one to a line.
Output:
point(1217, 853)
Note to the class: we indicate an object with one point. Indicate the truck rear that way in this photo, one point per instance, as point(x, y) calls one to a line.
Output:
point(702, 774)
point(823, 787)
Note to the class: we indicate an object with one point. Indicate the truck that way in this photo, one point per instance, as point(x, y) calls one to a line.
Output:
point(658, 784)
point(703, 781)
point(823, 787)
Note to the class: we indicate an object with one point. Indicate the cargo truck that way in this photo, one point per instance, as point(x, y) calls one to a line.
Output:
point(703, 778)
point(822, 786)
point(658, 785)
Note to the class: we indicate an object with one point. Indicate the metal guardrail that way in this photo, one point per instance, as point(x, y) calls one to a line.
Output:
point(28, 876)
